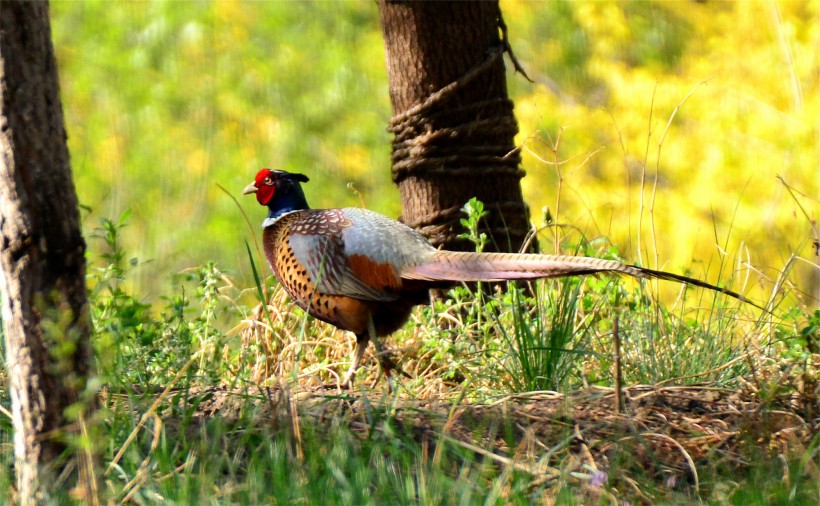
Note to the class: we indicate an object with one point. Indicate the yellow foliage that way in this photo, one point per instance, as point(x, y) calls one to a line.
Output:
point(711, 100)
point(109, 157)
point(715, 126)
point(355, 160)
point(197, 162)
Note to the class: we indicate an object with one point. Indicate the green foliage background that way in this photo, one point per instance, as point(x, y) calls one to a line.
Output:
point(165, 100)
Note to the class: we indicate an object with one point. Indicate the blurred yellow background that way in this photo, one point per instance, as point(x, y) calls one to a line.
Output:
point(669, 124)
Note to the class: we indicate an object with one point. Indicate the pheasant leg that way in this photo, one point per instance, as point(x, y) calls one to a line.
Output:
point(358, 353)
point(383, 355)
point(387, 365)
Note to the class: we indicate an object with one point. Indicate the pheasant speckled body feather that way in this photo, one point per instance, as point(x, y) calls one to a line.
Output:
point(341, 275)
point(363, 272)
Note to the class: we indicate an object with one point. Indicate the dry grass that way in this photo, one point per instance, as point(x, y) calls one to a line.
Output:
point(667, 438)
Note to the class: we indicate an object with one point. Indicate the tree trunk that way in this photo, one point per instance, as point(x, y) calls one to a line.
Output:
point(45, 308)
point(454, 125)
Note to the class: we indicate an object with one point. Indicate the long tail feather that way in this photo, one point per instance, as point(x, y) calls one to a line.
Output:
point(460, 266)
point(669, 276)
point(457, 266)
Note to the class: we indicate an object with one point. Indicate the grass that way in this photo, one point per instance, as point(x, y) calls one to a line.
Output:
point(196, 409)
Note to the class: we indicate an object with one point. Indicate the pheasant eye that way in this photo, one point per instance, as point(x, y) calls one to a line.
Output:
point(268, 180)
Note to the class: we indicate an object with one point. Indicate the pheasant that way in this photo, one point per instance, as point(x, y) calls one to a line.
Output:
point(364, 272)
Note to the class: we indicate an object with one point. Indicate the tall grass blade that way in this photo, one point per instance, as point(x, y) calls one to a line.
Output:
point(258, 282)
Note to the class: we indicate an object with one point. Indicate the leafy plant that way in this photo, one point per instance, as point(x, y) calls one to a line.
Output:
point(138, 346)
point(474, 211)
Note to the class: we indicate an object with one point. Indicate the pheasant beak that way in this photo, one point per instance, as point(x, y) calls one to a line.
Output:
point(251, 188)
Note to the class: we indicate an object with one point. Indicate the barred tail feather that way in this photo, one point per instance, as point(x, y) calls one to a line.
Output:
point(456, 266)
point(460, 266)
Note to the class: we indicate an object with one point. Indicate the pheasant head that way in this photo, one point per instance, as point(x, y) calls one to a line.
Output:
point(280, 190)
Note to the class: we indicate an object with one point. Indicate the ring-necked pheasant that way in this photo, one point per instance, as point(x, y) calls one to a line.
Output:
point(364, 272)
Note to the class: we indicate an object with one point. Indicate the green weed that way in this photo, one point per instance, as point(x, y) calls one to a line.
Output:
point(187, 417)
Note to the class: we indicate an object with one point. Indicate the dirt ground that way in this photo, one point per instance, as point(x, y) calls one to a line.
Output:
point(677, 435)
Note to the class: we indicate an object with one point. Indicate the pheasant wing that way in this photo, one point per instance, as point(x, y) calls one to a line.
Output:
point(330, 271)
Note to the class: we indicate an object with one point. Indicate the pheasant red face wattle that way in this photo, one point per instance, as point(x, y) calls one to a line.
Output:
point(263, 186)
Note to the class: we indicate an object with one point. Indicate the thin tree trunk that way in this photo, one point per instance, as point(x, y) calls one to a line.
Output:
point(45, 309)
point(454, 124)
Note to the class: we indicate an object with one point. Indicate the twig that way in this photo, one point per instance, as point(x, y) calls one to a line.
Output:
point(541, 471)
point(680, 447)
point(132, 486)
point(706, 373)
point(151, 411)
point(619, 394)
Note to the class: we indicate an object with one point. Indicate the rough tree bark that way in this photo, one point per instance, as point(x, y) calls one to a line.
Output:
point(453, 121)
point(42, 281)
